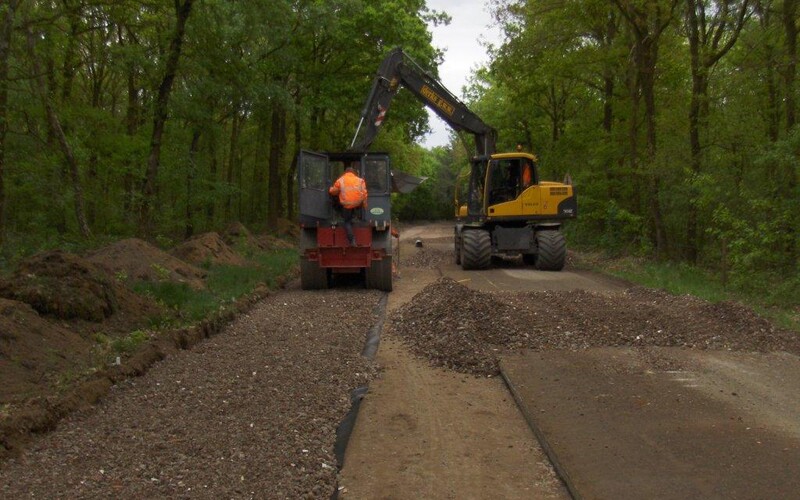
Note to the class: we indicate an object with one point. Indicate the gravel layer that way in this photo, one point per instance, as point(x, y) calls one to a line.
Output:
point(430, 255)
point(466, 330)
point(250, 413)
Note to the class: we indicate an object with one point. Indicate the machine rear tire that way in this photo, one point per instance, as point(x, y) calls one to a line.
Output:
point(457, 247)
point(552, 250)
point(476, 249)
point(312, 277)
point(379, 274)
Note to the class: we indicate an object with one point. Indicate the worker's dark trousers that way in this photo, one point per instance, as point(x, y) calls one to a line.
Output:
point(347, 215)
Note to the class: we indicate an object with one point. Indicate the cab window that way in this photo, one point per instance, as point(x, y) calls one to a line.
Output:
point(376, 175)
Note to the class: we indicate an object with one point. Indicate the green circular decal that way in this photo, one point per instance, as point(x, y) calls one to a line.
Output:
point(376, 211)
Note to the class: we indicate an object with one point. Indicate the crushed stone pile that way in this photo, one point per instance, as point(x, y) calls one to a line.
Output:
point(456, 327)
point(426, 258)
point(207, 248)
point(136, 260)
point(466, 330)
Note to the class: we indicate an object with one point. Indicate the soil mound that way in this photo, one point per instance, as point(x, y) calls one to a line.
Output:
point(136, 260)
point(287, 228)
point(269, 242)
point(207, 248)
point(71, 288)
point(63, 285)
point(33, 351)
point(237, 233)
point(463, 329)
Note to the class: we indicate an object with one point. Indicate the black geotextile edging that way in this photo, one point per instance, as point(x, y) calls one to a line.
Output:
point(374, 333)
point(41, 415)
point(561, 471)
point(348, 423)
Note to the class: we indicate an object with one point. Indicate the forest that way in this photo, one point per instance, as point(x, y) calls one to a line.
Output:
point(675, 120)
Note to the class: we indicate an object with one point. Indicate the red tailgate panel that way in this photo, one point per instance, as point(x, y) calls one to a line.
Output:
point(335, 252)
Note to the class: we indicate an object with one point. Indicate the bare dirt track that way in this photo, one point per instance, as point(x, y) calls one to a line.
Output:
point(424, 432)
point(421, 436)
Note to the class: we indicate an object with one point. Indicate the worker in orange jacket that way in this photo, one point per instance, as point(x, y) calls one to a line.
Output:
point(352, 192)
point(527, 175)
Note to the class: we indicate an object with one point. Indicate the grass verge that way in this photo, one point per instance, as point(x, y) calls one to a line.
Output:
point(225, 284)
point(682, 278)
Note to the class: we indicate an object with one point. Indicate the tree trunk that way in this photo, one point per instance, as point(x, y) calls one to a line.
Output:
point(190, 175)
point(259, 186)
point(709, 41)
point(131, 127)
point(66, 149)
point(70, 65)
point(229, 173)
point(6, 30)
point(699, 93)
point(608, 123)
point(790, 69)
point(646, 55)
point(149, 189)
point(212, 174)
point(277, 142)
point(293, 168)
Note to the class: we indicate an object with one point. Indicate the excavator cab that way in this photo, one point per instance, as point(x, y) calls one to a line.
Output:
point(508, 210)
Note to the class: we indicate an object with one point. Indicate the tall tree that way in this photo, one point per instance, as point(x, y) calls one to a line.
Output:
point(150, 187)
point(712, 28)
point(7, 13)
point(54, 123)
point(647, 22)
point(789, 12)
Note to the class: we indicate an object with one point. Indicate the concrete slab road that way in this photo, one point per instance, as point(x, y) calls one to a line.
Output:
point(661, 423)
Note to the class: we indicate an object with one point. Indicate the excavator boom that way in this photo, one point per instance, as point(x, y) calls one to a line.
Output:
point(399, 69)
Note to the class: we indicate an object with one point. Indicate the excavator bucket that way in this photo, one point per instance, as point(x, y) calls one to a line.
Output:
point(405, 183)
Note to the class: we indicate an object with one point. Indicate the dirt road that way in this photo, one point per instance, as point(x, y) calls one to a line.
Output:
point(253, 411)
point(425, 432)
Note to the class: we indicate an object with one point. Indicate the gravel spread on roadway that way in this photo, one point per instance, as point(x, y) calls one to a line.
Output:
point(467, 330)
point(249, 413)
point(430, 253)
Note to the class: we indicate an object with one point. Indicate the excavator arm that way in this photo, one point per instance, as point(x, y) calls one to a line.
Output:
point(399, 69)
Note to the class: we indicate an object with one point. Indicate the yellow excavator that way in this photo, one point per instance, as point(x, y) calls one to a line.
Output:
point(502, 207)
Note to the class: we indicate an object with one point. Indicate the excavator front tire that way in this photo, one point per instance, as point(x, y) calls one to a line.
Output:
point(457, 246)
point(476, 249)
point(552, 250)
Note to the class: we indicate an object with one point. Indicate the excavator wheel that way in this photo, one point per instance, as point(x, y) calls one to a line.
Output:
point(312, 277)
point(476, 249)
point(552, 250)
point(379, 274)
point(457, 246)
